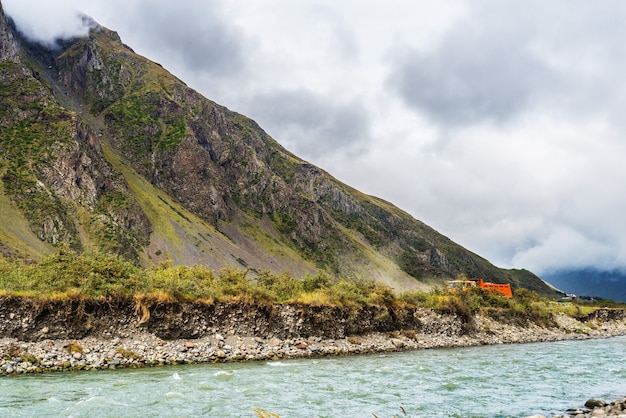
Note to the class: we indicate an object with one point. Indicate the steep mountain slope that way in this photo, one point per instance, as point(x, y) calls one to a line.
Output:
point(101, 148)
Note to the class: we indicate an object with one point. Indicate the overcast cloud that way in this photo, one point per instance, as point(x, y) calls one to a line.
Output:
point(311, 123)
point(499, 123)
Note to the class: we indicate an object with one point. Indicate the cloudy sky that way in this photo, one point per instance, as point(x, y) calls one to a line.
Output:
point(500, 123)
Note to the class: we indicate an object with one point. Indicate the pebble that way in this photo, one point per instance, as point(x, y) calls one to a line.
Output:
point(397, 343)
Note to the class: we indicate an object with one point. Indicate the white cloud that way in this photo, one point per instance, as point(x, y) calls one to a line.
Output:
point(567, 246)
point(46, 21)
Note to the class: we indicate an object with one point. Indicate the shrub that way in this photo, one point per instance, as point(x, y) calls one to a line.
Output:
point(14, 350)
point(410, 333)
point(459, 307)
point(354, 340)
point(29, 358)
point(317, 282)
point(128, 354)
point(282, 287)
point(73, 347)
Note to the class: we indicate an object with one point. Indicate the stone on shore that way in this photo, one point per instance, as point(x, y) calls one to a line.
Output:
point(595, 403)
point(597, 408)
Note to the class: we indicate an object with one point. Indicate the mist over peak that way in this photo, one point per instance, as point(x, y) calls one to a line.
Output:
point(48, 24)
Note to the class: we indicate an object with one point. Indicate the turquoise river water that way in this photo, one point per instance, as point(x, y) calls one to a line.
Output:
point(488, 381)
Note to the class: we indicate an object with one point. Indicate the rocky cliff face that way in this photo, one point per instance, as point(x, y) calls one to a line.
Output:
point(8, 45)
point(53, 167)
point(103, 148)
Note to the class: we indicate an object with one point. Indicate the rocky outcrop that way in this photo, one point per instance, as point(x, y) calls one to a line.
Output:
point(75, 173)
point(78, 172)
point(9, 49)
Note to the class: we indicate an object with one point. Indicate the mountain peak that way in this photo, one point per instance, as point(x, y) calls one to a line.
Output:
point(95, 27)
point(79, 25)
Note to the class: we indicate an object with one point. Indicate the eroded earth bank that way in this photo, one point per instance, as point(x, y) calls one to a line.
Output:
point(48, 336)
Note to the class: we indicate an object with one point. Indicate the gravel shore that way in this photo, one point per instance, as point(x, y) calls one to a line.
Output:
point(134, 348)
point(594, 408)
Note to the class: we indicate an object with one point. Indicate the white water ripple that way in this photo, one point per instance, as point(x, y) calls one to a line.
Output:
point(488, 381)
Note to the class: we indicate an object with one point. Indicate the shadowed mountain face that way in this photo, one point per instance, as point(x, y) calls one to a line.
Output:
point(605, 284)
point(103, 149)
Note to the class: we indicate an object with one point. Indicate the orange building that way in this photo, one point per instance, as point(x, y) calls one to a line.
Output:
point(504, 289)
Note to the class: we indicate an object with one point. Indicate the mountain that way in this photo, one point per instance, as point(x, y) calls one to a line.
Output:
point(605, 284)
point(102, 149)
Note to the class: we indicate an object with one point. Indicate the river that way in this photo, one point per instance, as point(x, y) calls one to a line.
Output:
point(487, 381)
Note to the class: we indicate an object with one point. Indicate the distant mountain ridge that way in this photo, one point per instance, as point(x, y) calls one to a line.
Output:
point(591, 282)
point(103, 149)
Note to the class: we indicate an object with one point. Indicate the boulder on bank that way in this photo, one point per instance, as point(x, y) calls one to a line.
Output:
point(595, 403)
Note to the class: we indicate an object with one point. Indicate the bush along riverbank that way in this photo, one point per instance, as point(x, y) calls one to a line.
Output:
point(47, 335)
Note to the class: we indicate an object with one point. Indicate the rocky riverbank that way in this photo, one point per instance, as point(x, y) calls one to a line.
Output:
point(74, 335)
point(594, 408)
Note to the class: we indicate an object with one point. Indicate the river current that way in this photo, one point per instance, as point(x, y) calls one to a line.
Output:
point(488, 381)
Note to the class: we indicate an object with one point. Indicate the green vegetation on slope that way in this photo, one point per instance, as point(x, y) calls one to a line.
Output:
point(132, 92)
point(15, 231)
point(33, 127)
point(97, 275)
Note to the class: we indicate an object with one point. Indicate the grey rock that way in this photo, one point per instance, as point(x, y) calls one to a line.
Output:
point(575, 411)
point(595, 403)
point(397, 343)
